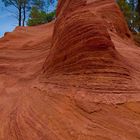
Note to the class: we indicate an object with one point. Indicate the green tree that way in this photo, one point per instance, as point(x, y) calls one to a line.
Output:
point(131, 15)
point(138, 7)
point(37, 17)
point(18, 5)
point(126, 9)
point(24, 6)
point(39, 4)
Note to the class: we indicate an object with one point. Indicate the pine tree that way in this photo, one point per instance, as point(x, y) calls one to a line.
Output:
point(18, 5)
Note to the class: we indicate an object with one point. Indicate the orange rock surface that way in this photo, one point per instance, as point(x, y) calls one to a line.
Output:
point(76, 78)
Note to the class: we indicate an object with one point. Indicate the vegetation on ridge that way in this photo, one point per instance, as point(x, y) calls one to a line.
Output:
point(37, 17)
point(131, 11)
point(24, 9)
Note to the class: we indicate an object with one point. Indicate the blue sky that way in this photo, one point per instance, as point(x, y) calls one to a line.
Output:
point(7, 20)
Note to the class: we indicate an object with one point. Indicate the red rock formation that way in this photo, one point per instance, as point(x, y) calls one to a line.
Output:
point(83, 53)
point(89, 86)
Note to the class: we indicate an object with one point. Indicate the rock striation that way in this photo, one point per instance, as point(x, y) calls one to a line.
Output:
point(83, 52)
point(76, 78)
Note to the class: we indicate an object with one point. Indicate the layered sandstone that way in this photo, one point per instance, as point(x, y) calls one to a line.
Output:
point(83, 52)
point(76, 78)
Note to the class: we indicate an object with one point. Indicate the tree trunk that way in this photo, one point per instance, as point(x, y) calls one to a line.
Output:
point(138, 7)
point(24, 15)
point(19, 16)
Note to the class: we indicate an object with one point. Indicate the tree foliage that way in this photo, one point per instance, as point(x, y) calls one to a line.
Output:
point(129, 9)
point(24, 6)
point(39, 17)
point(18, 4)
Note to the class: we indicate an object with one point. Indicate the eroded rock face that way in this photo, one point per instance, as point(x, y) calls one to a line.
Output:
point(83, 52)
point(90, 86)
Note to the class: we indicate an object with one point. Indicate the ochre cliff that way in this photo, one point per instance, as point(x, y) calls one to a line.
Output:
point(76, 78)
point(83, 52)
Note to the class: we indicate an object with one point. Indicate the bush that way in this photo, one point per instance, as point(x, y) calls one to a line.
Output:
point(37, 17)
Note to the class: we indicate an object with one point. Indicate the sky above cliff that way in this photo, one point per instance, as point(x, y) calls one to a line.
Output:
point(8, 20)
